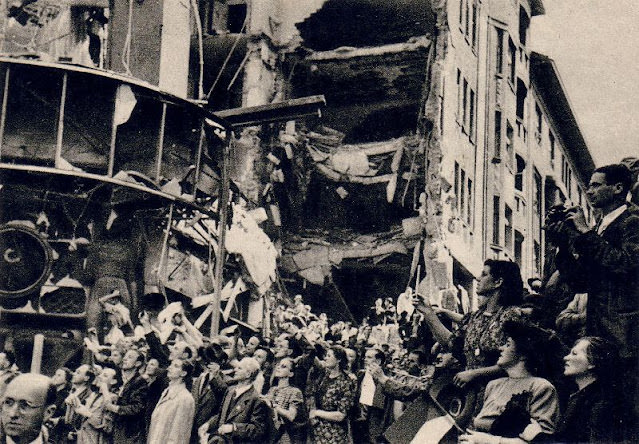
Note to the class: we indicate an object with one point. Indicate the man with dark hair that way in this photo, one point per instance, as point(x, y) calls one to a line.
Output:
point(61, 380)
point(374, 410)
point(129, 412)
point(81, 381)
point(608, 259)
point(208, 388)
point(172, 417)
point(29, 401)
point(155, 377)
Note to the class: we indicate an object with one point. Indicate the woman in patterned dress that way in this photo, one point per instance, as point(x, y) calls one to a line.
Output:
point(287, 403)
point(333, 399)
point(477, 340)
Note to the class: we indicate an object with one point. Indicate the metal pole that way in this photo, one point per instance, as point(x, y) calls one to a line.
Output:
point(222, 207)
point(60, 135)
point(38, 348)
point(160, 152)
point(114, 135)
point(3, 115)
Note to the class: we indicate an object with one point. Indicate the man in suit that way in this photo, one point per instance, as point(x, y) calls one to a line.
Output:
point(81, 381)
point(244, 416)
point(29, 401)
point(155, 377)
point(208, 388)
point(608, 254)
point(129, 425)
point(374, 411)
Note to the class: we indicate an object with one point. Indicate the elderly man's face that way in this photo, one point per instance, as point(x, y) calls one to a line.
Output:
point(243, 372)
point(24, 408)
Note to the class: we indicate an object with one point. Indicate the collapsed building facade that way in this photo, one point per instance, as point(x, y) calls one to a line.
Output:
point(443, 142)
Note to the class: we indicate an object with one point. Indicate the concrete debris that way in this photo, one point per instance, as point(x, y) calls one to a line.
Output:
point(347, 52)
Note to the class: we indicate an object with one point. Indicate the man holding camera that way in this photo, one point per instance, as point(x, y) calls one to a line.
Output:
point(608, 259)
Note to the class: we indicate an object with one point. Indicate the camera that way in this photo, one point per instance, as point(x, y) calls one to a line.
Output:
point(556, 214)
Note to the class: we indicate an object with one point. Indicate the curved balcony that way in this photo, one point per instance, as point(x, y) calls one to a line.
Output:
point(74, 121)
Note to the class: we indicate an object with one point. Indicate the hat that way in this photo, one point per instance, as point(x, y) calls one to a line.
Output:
point(153, 301)
point(214, 353)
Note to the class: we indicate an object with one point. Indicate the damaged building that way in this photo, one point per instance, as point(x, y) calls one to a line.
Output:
point(443, 142)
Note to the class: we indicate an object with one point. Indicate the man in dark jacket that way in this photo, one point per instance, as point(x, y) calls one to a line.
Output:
point(608, 254)
point(129, 412)
point(244, 417)
point(208, 388)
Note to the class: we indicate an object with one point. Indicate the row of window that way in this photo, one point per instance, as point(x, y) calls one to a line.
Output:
point(463, 189)
point(468, 14)
point(498, 136)
point(466, 106)
point(500, 66)
point(566, 170)
point(513, 238)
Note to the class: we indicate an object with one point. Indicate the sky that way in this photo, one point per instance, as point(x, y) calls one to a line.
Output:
point(595, 45)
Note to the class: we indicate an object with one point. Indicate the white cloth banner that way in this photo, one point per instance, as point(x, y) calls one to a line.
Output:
point(433, 431)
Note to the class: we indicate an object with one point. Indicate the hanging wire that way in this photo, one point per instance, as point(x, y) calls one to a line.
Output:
point(228, 57)
point(126, 50)
point(239, 69)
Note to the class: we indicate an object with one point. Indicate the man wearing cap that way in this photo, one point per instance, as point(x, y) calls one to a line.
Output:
point(29, 401)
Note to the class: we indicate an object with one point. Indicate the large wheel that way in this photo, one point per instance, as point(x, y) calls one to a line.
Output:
point(25, 261)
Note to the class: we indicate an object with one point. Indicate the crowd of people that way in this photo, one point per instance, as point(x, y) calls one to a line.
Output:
point(520, 373)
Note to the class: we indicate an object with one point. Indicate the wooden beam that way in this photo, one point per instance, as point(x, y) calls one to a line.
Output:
point(276, 112)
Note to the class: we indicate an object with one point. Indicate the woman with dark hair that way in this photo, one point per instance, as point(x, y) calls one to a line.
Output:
point(594, 413)
point(172, 419)
point(476, 342)
point(287, 404)
point(333, 399)
point(521, 406)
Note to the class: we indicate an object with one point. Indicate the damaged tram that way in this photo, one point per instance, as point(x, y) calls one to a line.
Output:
point(98, 172)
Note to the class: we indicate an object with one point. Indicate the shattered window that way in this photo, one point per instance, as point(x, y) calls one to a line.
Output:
point(33, 104)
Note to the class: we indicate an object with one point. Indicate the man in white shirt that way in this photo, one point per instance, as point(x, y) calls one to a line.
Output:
point(28, 403)
point(607, 258)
